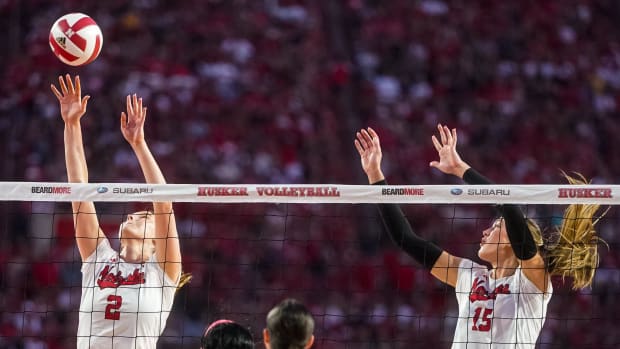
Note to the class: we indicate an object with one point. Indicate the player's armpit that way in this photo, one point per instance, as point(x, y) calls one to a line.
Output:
point(535, 270)
point(446, 268)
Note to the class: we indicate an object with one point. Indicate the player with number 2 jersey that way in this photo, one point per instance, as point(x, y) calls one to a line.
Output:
point(126, 295)
point(123, 305)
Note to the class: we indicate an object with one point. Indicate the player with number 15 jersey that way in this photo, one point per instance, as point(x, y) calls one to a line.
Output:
point(498, 311)
point(503, 306)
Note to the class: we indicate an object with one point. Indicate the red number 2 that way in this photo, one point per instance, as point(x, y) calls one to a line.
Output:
point(485, 319)
point(112, 309)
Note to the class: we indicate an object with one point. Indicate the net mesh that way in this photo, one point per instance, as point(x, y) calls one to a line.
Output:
point(245, 257)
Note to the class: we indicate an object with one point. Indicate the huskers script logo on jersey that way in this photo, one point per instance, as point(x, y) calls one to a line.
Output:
point(109, 279)
point(480, 292)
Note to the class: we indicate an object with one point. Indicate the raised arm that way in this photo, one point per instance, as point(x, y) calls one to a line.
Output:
point(167, 247)
point(441, 264)
point(88, 235)
point(521, 240)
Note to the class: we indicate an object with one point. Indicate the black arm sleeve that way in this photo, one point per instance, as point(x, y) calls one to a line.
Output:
point(519, 234)
point(400, 231)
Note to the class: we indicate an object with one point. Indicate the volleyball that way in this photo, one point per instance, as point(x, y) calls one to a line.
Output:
point(76, 39)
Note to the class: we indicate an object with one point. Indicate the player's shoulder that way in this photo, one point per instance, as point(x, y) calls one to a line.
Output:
point(468, 271)
point(103, 253)
point(468, 264)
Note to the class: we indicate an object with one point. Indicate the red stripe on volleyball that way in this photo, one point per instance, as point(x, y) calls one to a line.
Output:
point(82, 23)
point(59, 51)
point(72, 35)
point(95, 50)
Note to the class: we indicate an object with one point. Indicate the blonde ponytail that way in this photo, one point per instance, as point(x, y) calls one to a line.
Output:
point(184, 279)
point(575, 253)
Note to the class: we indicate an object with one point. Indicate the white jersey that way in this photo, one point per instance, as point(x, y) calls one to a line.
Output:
point(124, 305)
point(493, 314)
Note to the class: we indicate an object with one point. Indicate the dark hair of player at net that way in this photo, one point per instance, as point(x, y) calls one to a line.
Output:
point(226, 334)
point(290, 326)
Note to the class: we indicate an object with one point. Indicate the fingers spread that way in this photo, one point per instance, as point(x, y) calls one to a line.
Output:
point(85, 103)
point(374, 134)
point(436, 143)
point(358, 146)
point(70, 84)
point(442, 134)
point(448, 134)
point(367, 136)
point(55, 91)
point(63, 87)
point(362, 141)
point(123, 120)
point(78, 86)
point(135, 103)
point(129, 106)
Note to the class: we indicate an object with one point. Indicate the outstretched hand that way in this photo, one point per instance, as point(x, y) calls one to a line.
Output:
point(132, 122)
point(72, 105)
point(369, 148)
point(449, 160)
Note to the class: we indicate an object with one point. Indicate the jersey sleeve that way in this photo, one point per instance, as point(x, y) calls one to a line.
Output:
point(464, 275)
point(102, 252)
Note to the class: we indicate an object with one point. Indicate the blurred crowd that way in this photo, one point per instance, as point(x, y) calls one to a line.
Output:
point(272, 91)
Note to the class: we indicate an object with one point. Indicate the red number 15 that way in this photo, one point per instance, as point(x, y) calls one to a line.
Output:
point(483, 314)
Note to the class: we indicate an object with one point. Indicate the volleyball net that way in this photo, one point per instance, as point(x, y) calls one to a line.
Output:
point(250, 246)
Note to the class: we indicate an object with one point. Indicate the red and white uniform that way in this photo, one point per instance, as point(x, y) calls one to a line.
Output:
point(124, 305)
point(503, 313)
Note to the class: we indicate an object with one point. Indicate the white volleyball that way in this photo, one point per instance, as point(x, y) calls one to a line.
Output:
point(76, 39)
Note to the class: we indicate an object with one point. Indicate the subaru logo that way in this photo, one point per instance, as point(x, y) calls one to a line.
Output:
point(102, 190)
point(456, 191)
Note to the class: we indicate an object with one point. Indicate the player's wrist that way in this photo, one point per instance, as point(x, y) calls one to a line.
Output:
point(138, 144)
point(375, 175)
point(460, 169)
point(71, 122)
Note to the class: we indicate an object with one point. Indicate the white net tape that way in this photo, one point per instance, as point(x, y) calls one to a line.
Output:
point(321, 193)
